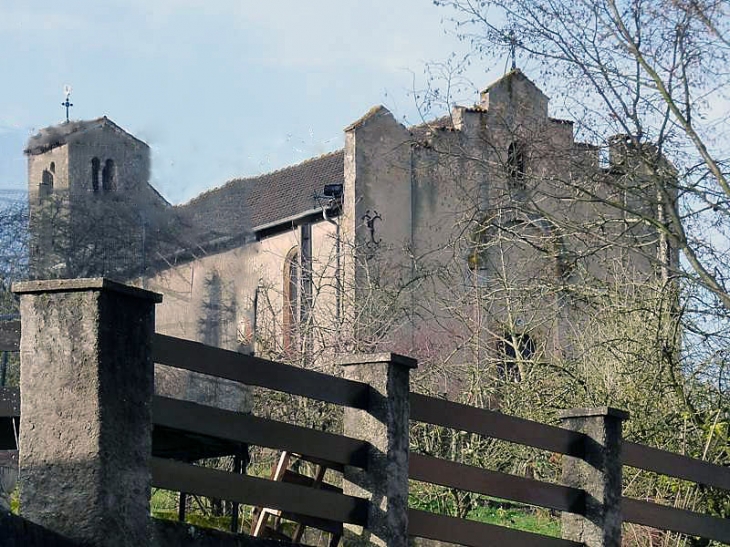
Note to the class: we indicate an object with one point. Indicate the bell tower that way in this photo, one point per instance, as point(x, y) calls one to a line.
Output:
point(86, 182)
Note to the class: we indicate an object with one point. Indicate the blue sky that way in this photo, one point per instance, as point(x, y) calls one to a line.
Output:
point(218, 88)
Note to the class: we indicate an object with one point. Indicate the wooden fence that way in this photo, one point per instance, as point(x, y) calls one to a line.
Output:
point(338, 450)
point(552, 496)
point(194, 421)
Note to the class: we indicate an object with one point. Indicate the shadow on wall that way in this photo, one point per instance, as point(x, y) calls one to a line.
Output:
point(218, 313)
point(217, 327)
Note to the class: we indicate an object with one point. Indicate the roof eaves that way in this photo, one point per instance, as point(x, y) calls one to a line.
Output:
point(559, 120)
point(288, 220)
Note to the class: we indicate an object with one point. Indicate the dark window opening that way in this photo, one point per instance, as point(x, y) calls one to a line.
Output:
point(95, 168)
point(516, 162)
point(53, 167)
point(108, 176)
point(47, 178)
point(46, 188)
point(514, 350)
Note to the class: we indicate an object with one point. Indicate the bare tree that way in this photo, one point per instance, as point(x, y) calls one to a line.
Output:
point(646, 82)
point(652, 71)
point(14, 245)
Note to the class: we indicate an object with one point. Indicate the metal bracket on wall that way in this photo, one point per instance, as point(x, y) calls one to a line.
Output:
point(369, 220)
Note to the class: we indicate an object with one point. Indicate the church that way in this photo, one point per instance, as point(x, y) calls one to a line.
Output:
point(461, 240)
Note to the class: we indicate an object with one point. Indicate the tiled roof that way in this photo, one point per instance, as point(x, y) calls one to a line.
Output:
point(423, 130)
point(558, 120)
point(241, 205)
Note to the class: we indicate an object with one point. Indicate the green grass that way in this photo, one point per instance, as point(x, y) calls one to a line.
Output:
point(538, 521)
point(15, 501)
point(164, 506)
point(488, 510)
point(197, 519)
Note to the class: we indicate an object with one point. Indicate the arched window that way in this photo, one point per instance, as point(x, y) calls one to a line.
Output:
point(516, 161)
point(53, 167)
point(108, 176)
point(95, 168)
point(46, 188)
point(292, 299)
point(514, 349)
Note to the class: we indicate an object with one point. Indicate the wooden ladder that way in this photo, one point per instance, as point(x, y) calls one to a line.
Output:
point(266, 522)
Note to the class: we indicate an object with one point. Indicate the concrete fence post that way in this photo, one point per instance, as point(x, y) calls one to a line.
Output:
point(86, 389)
point(385, 425)
point(598, 473)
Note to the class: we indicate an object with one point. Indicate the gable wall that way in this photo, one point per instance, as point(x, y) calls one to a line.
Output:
point(437, 190)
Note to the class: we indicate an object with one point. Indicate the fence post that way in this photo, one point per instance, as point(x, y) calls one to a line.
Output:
point(598, 473)
point(385, 426)
point(86, 389)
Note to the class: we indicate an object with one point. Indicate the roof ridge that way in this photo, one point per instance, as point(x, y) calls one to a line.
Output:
point(372, 112)
point(513, 72)
point(51, 136)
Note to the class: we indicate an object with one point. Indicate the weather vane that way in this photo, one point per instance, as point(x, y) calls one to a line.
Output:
point(67, 103)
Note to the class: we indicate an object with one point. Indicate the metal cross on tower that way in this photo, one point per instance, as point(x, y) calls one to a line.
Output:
point(513, 48)
point(67, 103)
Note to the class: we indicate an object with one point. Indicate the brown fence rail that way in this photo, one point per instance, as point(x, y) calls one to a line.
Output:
point(320, 506)
point(676, 520)
point(670, 518)
point(175, 417)
point(494, 424)
point(482, 481)
point(255, 371)
point(493, 483)
point(675, 465)
point(294, 498)
point(9, 335)
point(245, 428)
point(475, 534)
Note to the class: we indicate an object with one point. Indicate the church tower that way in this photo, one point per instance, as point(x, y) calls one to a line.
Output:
point(86, 181)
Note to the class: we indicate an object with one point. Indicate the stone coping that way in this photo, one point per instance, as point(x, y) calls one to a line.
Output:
point(372, 358)
point(84, 284)
point(594, 412)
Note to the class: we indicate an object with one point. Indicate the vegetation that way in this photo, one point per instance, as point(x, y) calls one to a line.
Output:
point(533, 310)
point(646, 83)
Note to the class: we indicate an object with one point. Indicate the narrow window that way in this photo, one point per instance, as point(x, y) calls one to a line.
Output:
point(292, 290)
point(515, 162)
point(46, 188)
point(108, 182)
point(514, 350)
point(47, 179)
point(95, 168)
point(53, 167)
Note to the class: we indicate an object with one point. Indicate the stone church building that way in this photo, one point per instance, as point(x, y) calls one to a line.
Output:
point(459, 240)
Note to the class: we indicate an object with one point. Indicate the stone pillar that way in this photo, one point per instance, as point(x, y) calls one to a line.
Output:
point(86, 379)
point(598, 473)
point(385, 425)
